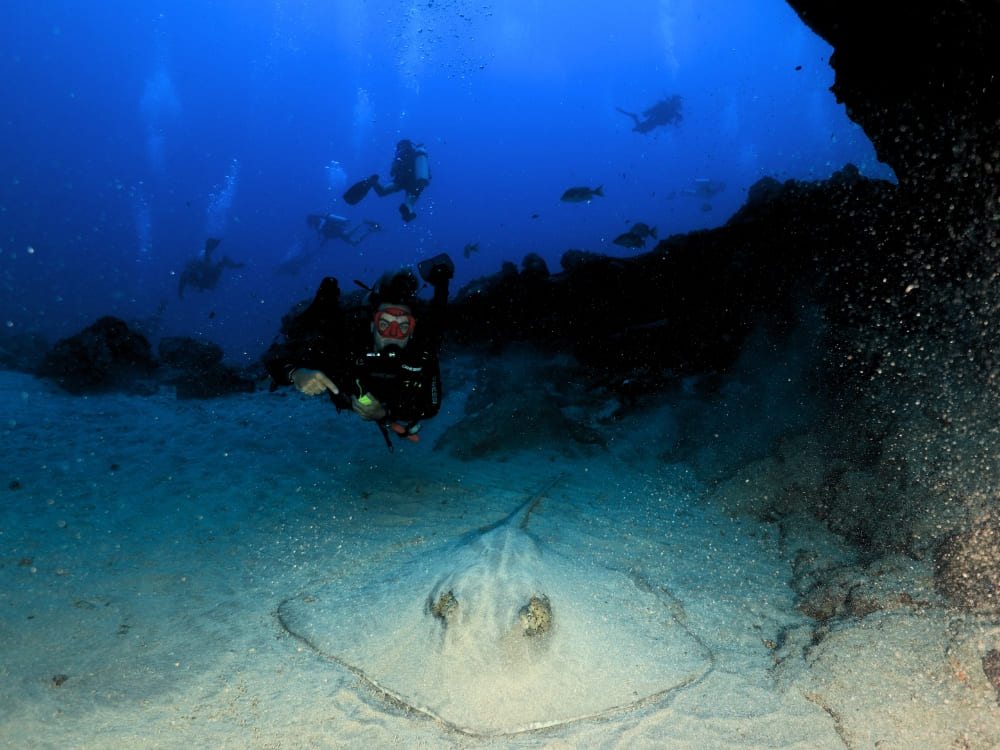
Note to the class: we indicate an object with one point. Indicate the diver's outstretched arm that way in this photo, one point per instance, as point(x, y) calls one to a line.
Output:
point(227, 263)
point(349, 237)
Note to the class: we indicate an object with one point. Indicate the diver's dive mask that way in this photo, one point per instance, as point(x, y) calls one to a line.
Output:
point(394, 323)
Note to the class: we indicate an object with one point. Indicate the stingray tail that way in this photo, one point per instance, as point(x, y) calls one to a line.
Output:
point(523, 513)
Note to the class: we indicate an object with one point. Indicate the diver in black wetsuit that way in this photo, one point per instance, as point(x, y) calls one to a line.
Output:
point(380, 361)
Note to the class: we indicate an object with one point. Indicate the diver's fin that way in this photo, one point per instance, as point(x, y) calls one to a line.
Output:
point(633, 115)
point(407, 432)
point(356, 192)
point(210, 244)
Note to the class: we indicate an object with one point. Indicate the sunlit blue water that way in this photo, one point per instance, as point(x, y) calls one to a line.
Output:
point(131, 132)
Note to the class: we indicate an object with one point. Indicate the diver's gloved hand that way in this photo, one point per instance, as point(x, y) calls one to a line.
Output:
point(368, 407)
point(312, 382)
point(437, 270)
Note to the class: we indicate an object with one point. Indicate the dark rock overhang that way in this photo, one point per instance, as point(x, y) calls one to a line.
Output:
point(924, 84)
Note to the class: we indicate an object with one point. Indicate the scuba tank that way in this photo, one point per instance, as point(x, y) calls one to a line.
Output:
point(421, 168)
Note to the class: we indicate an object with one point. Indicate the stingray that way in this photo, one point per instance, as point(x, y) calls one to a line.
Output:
point(495, 634)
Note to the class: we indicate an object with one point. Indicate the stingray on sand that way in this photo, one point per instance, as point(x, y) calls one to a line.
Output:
point(494, 634)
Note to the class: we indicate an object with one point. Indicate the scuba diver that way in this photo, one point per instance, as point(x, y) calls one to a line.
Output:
point(328, 227)
point(201, 273)
point(379, 360)
point(410, 171)
point(664, 112)
point(333, 227)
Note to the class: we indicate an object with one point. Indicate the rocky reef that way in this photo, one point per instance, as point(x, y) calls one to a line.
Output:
point(106, 355)
point(918, 348)
point(109, 356)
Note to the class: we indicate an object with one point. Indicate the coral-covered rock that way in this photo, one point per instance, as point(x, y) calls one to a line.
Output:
point(107, 355)
point(199, 369)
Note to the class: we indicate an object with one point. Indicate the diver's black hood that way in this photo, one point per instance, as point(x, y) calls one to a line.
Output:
point(399, 287)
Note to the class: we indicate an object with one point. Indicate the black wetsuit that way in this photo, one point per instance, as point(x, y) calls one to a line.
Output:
point(407, 381)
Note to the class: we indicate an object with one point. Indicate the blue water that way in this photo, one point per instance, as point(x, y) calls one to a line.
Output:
point(133, 131)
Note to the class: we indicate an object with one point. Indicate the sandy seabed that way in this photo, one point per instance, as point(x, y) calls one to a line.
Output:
point(148, 544)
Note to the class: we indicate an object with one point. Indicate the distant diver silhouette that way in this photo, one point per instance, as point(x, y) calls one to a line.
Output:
point(333, 227)
point(201, 273)
point(664, 112)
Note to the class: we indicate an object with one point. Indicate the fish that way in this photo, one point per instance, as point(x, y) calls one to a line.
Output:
point(582, 194)
point(701, 187)
point(643, 230)
point(630, 240)
point(635, 237)
point(470, 248)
